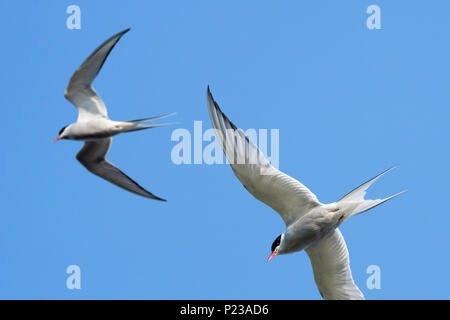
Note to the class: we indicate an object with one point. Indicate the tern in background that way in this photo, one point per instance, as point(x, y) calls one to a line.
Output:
point(310, 225)
point(93, 125)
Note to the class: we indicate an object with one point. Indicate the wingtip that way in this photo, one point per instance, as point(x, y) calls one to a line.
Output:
point(121, 33)
point(209, 96)
point(152, 196)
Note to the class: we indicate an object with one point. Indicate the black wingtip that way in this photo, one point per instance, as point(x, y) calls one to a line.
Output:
point(209, 95)
point(157, 198)
point(121, 33)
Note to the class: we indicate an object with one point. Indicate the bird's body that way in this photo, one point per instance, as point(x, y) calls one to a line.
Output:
point(93, 129)
point(310, 225)
point(308, 229)
point(100, 128)
point(93, 124)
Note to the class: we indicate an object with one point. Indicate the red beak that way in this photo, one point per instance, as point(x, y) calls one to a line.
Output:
point(56, 139)
point(274, 253)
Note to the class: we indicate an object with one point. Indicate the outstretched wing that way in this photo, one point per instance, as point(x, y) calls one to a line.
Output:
point(80, 92)
point(284, 194)
point(331, 266)
point(92, 156)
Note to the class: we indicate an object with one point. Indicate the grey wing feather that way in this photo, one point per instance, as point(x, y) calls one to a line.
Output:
point(331, 266)
point(80, 92)
point(284, 194)
point(92, 156)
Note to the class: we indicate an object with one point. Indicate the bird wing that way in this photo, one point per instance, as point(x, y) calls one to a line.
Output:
point(331, 267)
point(284, 194)
point(80, 92)
point(92, 156)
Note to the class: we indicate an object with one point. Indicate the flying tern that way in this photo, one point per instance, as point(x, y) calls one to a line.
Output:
point(93, 124)
point(310, 225)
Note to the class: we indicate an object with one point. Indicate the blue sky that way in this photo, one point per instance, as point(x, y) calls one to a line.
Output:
point(348, 102)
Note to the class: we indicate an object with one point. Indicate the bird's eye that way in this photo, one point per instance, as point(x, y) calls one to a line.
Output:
point(276, 243)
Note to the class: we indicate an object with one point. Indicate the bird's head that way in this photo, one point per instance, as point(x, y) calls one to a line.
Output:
point(61, 135)
point(276, 246)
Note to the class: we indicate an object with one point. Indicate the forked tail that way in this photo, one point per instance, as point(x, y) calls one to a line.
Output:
point(139, 124)
point(354, 203)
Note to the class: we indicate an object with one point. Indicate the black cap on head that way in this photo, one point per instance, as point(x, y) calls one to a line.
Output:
point(61, 131)
point(276, 243)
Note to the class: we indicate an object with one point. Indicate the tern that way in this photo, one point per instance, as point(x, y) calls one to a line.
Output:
point(93, 125)
point(310, 225)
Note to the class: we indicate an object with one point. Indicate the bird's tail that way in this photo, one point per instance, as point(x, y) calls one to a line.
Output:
point(354, 203)
point(139, 124)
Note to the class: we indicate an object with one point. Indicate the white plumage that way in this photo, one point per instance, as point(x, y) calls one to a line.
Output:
point(93, 124)
point(310, 225)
